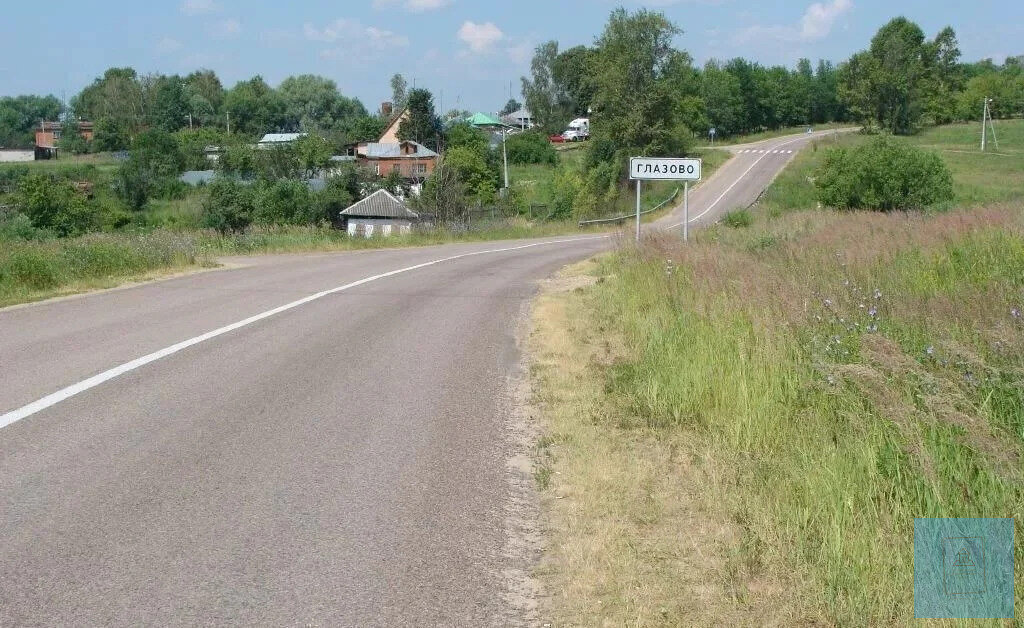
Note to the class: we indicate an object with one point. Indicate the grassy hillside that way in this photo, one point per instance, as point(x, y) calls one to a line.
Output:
point(980, 178)
point(741, 431)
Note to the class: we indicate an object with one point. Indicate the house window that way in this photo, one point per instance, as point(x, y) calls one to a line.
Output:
point(419, 169)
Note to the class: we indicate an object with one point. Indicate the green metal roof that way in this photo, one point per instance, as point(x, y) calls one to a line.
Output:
point(482, 119)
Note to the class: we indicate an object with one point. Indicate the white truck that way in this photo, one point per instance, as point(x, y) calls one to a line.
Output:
point(579, 130)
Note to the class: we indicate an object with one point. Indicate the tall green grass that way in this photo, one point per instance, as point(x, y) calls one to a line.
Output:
point(860, 371)
point(38, 269)
point(30, 270)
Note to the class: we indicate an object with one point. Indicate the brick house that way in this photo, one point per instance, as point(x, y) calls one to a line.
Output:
point(48, 135)
point(411, 159)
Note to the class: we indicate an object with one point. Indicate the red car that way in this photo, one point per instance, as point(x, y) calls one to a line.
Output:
point(556, 139)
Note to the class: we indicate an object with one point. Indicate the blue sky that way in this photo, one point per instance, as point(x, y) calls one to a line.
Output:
point(465, 51)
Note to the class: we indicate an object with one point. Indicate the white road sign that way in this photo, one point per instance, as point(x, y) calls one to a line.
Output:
point(664, 168)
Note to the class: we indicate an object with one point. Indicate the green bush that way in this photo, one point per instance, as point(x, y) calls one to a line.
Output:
point(18, 226)
point(238, 160)
point(334, 198)
point(192, 145)
point(465, 135)
point(564, 190)
point(472, 169)
point(11, 175)
point(73, 143)
point(32, 268)
point(283, 202)
point(738, 218)
point(54, 205)
point(110, 136)
point(530, 148)
point(151, 171)
point(883, 174)
point(229, 206)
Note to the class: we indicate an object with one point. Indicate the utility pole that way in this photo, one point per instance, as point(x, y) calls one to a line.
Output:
point(504, 157)
point(984, 118)
point(992, 125)
point(228, 114)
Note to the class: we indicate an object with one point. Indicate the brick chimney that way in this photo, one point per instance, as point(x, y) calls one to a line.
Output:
point(386, 110)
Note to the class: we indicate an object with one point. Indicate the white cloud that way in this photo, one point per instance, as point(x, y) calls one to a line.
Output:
point(197, 7)
point(480, 37)
point(355, 39)
point(520, 53)
point(818, 19)
point(816, 24)
point(413, 6)
point(168, 45)
point(226, 28)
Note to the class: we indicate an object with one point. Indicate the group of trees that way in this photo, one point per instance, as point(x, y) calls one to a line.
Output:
point(904, 81)
point(644, 96)
point(20, 115)
point(122, 104)
point(634, 76)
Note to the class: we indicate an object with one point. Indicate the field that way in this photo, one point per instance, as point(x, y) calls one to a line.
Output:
point(741, 431)
point(979, 178)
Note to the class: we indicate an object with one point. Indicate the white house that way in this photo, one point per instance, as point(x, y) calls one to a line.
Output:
point(378, 214)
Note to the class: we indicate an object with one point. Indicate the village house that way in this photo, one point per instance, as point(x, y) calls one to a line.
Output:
point(48, 135)
point(521, 119)
point(411, 160)
point(487, 123)
point(390, 134)
point(378, 214)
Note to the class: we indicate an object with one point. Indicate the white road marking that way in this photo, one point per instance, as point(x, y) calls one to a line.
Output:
point(70, 391)
point(729, 189)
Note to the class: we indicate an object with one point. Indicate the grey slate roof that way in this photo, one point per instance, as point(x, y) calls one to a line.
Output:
point(377, 150)
point(380, 204)
point(279, 138)
point(197, 177)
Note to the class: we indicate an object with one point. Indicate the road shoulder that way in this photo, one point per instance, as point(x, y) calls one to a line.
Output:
point(628, 538)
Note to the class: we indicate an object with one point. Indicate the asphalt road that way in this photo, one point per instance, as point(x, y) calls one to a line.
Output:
point(190, 452)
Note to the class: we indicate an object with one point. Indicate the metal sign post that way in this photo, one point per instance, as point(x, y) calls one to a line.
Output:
point(686, 211)
point(638, 210)
point(665, 169)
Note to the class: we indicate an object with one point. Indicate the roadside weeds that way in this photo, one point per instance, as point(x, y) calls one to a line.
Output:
point(742, 430)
